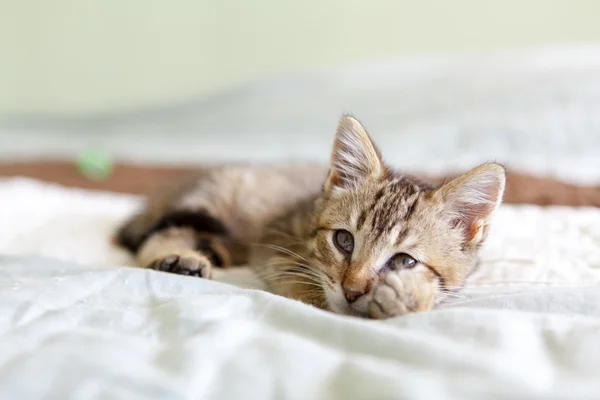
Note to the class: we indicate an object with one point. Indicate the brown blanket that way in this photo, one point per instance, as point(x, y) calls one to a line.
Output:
point(126, 178)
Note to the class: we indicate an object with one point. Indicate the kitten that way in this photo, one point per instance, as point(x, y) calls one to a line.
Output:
point(356, 238)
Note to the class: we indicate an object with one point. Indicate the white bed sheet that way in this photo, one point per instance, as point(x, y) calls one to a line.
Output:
point(73, 325)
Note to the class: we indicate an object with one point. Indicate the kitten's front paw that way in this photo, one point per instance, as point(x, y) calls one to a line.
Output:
point(402, 292)
point(189, 263)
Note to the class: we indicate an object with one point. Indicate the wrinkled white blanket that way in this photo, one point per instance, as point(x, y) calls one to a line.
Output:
point(73, 325)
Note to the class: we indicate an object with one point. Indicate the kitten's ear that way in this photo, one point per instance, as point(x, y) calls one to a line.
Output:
point(470, 200)
point(354, 157)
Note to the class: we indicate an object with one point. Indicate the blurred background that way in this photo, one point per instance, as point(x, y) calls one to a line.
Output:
point(440, 84)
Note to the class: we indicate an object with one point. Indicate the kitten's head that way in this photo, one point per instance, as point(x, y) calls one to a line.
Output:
point(370, 219)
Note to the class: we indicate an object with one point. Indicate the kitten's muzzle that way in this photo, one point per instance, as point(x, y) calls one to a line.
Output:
point(353, 293)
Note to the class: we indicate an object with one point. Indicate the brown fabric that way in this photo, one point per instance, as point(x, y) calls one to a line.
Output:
point(135, 179)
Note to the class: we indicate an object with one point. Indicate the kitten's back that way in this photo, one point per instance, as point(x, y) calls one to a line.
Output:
point(243, 197)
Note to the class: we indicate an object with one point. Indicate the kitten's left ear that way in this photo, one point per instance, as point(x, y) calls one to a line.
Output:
point(471, 199)
point(354, 157)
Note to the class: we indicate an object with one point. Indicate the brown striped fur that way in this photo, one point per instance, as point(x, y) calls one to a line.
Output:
point(282, 219)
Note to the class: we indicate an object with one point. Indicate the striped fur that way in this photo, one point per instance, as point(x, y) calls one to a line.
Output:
point(282, 219)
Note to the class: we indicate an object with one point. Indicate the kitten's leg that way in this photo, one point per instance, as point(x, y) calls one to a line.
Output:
point(404, 291)
point(182, 251)
point(182, 242)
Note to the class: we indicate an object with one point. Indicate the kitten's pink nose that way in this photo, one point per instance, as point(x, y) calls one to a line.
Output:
point(352, 293)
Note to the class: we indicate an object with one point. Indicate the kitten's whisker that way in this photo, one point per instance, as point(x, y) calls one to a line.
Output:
point(294, 265)
point(306, 273)
point(297, 240)
point(454, 295)
point(292, 282)
point(300, 283)
point(451, 293)
point(283, 260)
point(297, 266)
point(314, 268)
point(280, 274)
point(288, 273)
point(281, 249)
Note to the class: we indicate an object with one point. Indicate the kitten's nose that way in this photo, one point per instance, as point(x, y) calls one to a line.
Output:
point(352, 293)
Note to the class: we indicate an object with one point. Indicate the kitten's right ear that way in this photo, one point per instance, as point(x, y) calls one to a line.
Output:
point(354, 157)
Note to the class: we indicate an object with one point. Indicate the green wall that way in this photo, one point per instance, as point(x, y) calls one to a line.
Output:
point(76, 56)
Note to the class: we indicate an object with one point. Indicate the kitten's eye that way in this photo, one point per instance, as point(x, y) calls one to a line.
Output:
point(344, 241)
point(401, 260)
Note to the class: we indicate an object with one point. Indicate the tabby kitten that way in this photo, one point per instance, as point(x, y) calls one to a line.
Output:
point(356, 238)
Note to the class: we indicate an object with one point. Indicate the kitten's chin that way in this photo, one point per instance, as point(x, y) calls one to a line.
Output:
point(339, 305)
point(336, 303)
point(352, 311)
point(339, 309)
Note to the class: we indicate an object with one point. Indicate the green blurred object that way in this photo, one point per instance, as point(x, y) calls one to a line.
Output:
point(95, 164)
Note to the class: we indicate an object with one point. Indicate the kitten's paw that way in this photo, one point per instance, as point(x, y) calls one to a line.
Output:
point(189, 263)
point(401, 292)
